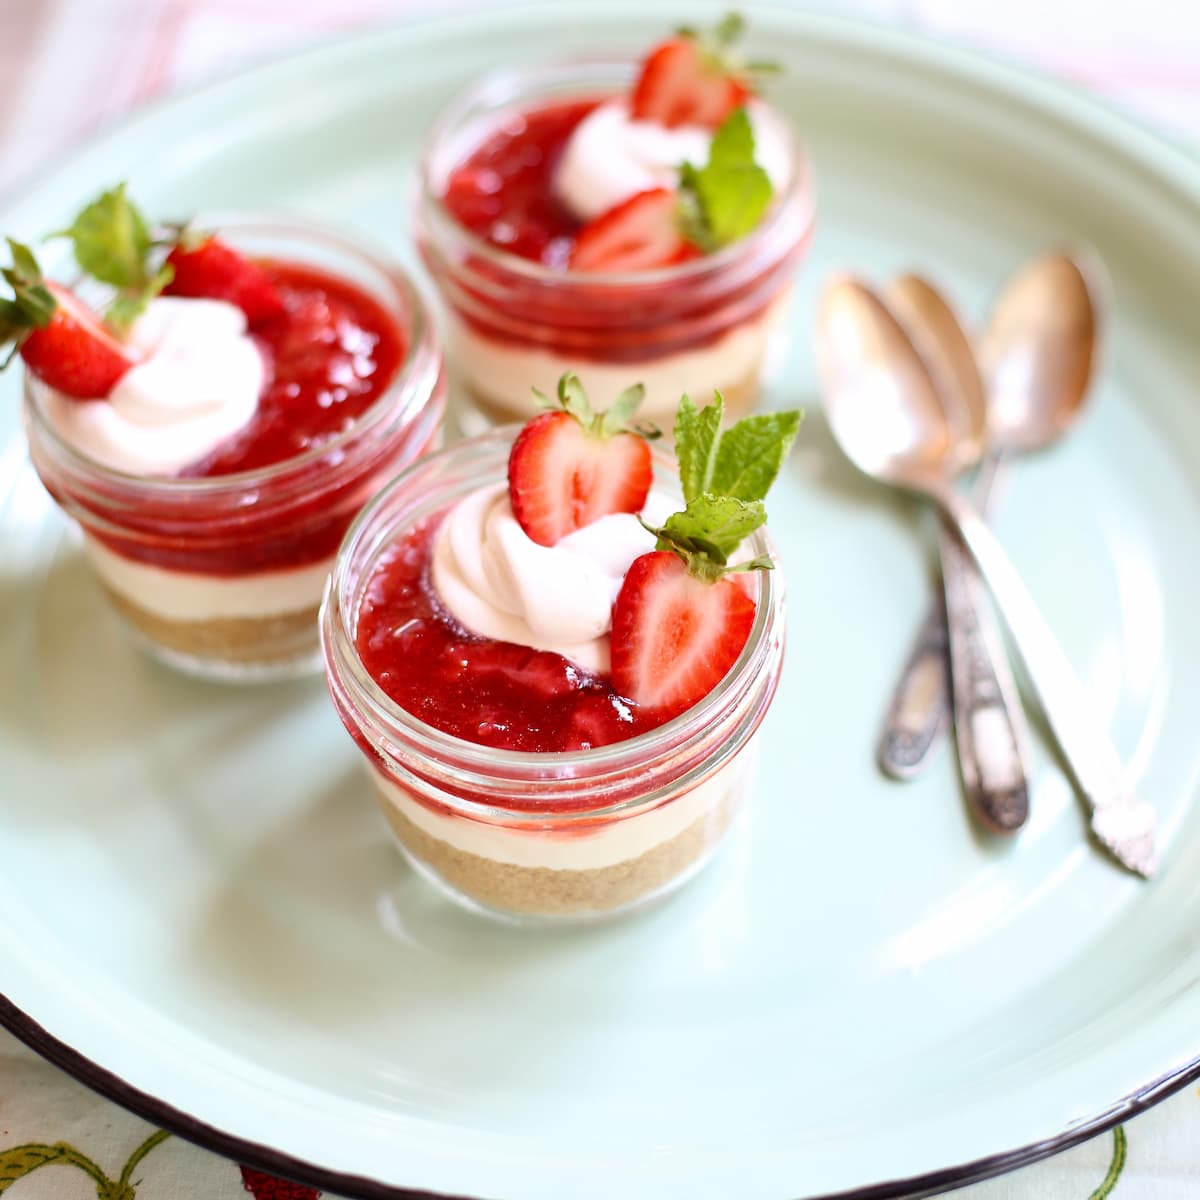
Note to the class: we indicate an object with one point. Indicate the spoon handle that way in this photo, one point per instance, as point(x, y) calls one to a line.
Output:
point(988, 726)
point(1122, 823)
point(919, 710)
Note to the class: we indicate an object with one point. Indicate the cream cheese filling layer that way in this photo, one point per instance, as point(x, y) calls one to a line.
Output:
point(506, 372)
point(604, 845)
point(194, 596)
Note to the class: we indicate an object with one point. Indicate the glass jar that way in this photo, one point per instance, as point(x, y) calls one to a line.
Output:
point(222, 575)
point(513, 323)
point(544, 837)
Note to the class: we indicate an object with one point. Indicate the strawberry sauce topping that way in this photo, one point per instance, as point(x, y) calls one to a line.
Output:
point(330, 354)
point(484, 691)
point(504, 191)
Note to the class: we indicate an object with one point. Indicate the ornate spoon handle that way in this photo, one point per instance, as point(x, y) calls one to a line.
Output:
point(919, 710)
point(989, 728)
point(1122, 823)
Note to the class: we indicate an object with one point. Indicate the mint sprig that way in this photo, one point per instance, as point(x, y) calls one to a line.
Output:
point(112, 243)
point(726, 198)
point(725, 476)
point(743, 461)
point(617, 418)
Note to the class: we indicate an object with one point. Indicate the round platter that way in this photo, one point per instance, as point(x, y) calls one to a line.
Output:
point(201, 914)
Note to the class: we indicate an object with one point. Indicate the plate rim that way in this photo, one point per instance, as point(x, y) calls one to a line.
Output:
point(1085, 113)
point(360, 1187)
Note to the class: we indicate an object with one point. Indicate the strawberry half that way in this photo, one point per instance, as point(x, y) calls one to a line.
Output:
point(563, 476)
point(75, 353)
point(682, 84)
point(214, 270)
point(674, 635)
point(639, 234)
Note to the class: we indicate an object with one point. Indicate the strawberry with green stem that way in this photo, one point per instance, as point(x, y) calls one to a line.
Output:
point(80, 352)
point(681, 618)
point(714, 206)
point(697, 77)
point(571, 465)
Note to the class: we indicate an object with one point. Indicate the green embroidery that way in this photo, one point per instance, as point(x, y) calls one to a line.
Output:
point(19, 1161)
point(1114, 1168)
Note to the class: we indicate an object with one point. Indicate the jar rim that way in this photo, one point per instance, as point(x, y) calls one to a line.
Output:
point(507, 86)
point(470, 763)
point(421, 359)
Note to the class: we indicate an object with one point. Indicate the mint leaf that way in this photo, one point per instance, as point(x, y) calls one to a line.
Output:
point(714, 526)
point(111, 241)
point(128, 306)
point(697, 435)
point(727, 198)
point(751, 453)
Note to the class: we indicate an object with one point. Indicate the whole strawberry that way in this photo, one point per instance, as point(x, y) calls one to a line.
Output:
point(212, 269)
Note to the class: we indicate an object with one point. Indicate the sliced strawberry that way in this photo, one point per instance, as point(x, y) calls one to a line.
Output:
point(638, 234)
point(76, 353)
point(214, 270)
point(562, 477)
point(675, 636)
point(681, 85)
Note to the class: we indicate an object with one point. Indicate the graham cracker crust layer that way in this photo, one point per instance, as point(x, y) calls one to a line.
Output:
point(241, 640)
point(545, 892)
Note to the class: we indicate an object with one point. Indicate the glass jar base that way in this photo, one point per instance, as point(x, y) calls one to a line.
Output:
point(561, 919)
point(250, 650)
point(578, 895)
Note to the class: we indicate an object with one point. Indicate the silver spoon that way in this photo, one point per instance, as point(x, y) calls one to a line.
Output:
point(1037, 357)
point(887, 417)
point(989, 727)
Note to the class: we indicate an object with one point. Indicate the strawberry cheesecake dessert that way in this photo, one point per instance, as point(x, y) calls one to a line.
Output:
point(554, 648)
point(213, 407)
point(624, 220)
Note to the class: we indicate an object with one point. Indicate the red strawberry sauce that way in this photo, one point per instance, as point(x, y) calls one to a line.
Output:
point(504, 191)
point(492, 693)
point(329, 357)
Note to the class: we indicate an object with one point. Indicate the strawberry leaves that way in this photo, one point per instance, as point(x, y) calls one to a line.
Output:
point(112, 243)
point(571, 398)
point(32, 304)
point(726, 198)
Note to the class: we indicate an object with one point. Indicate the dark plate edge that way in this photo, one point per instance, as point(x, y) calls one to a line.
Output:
point(357, 1187)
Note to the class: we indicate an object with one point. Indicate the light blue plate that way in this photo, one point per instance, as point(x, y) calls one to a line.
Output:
point(198, 898)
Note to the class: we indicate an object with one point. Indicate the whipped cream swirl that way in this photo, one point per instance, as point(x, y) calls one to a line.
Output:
point(197, 384)
point(496, 582)
point(611, 156)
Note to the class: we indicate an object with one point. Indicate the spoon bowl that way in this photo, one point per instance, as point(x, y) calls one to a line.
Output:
point(882, 406)
point(884, 411)
point(1039, 351)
